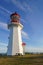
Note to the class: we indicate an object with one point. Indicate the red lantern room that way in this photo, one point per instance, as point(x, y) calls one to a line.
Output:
point(15, 17)
point(23, 44)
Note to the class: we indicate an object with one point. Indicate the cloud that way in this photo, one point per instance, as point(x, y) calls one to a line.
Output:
point(5, 10)
point(25, 35)
point(27, 6)
point(3, 26)
point(3, 47)
point(23, 20)
point(22, 6)
point(18, 4)
point(3, 44)
point(33, 49)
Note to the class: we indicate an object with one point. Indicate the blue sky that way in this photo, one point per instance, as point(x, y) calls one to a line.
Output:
point(31, 12)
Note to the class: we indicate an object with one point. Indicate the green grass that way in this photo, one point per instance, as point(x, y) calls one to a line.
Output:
point(28, 59)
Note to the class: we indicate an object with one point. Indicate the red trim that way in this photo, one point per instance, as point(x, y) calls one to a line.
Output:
point(23, 44)
point(14, 21)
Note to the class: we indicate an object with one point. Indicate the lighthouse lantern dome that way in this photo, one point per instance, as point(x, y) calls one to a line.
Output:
point(15, 17)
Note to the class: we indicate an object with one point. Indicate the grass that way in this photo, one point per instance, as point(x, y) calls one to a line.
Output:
point(28, 59)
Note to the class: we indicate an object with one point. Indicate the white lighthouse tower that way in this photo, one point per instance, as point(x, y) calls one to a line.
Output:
point(15, 40)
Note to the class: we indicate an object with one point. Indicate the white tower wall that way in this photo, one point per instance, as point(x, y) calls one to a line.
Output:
point(15, 40)
point(9, 52)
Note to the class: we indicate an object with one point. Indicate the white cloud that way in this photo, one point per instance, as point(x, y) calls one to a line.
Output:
point(4, 26)
point(3, 47)
point(33, 49)
point(24, 6)
point(7, 11)
point(25, 35)
point(18, 4)
point(3, 44)
point(23, 20)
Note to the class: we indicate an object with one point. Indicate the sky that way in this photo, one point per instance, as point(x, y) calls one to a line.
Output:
point(31, 12)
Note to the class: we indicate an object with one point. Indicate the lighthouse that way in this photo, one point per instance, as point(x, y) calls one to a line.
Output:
point(15, 39)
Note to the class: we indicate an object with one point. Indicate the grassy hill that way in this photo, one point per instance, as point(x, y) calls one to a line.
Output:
point(28, 59)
